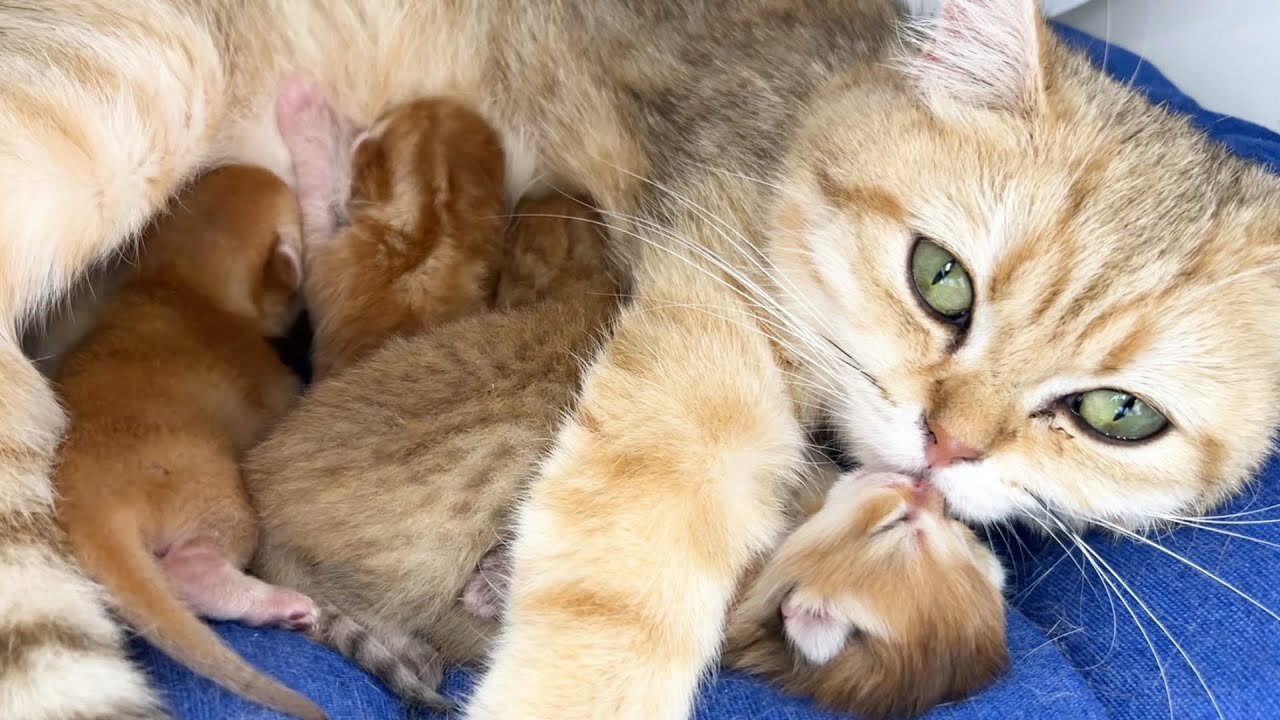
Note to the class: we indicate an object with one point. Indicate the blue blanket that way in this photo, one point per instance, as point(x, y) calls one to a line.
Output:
point(1178, 629)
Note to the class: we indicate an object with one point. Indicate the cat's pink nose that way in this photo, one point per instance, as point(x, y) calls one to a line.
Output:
point(942, 448)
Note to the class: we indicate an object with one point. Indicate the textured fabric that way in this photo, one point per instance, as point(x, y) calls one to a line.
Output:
point(1076, 647)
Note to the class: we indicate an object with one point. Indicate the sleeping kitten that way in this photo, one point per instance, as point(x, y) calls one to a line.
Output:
point(908, 613)
point(403, 235)
point(387, 527)
point(165, 392)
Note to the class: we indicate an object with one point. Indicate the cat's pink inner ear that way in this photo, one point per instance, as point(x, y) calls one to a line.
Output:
point(984, 53)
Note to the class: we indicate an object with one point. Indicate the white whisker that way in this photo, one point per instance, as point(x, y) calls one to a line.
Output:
point(1110, 580)
point(1228, 533)
point(1177, 645)
point(1192, 564)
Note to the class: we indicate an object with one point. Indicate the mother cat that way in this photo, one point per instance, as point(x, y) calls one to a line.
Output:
point(991, 264)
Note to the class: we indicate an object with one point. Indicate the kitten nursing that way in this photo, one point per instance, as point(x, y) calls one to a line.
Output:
point(387, 494)
point(167, 390)
point(991, 263)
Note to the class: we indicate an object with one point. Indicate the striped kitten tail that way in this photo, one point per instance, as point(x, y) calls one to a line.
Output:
point(410, 668)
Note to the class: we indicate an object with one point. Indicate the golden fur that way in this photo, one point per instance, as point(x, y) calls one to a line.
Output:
point(764, 167)
point(388, 528)
point(442, 423)
point(164, 394)
point(878, 604)
point(424, 213)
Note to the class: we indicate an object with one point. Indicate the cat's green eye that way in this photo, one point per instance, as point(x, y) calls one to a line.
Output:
point(1117, 414)
point(941, 281)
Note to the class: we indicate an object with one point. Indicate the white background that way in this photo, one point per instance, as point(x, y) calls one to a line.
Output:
point(1223, 53)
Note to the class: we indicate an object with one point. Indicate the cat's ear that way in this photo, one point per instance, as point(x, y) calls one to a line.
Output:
point(983, 53)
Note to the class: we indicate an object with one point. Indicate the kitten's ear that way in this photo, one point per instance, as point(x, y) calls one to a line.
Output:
point(984, 53)
point(284, 267)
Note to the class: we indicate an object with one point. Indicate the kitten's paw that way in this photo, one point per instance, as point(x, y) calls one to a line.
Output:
point(485, 594)
point(284, 609)
point(812, 629)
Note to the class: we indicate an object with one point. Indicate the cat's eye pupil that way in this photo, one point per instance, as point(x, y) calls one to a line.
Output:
point(1124, 409)
point(941, 282)
point(944, 272)
point(1117, 414)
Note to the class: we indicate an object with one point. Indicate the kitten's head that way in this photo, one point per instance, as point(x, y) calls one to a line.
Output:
point(1048, 294)
point(424, 163)
point(234, 237)
point(906, 614)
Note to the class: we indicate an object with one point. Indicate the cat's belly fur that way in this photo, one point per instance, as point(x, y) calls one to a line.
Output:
point(601, 96)
point(438, 54)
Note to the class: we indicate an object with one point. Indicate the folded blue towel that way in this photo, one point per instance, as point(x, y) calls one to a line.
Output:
point(1156, 638)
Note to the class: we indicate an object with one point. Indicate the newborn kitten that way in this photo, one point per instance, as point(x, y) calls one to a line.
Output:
point(907, 614)
point(416, 241)
point(386, 494)
point(174, 382)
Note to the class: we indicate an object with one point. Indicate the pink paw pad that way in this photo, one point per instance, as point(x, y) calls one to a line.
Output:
point(479, 598)
point(286, 609)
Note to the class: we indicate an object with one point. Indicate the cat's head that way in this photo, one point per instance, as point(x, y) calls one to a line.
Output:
point(907, 614)
point(234, 236)
point(1046, 293)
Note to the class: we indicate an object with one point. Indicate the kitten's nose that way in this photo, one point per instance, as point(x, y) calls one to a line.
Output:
point(942, 449)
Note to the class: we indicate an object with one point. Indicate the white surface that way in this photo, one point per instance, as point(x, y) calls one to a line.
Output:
point(1050, 7)
point(1223, 53)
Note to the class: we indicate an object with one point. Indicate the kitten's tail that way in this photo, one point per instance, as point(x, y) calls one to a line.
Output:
point(114, 554)
point(410, 667)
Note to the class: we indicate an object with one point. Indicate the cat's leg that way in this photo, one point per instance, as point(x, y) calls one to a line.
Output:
point(319, 143)
point(104, 109)
point(209, 535)
point(662, 487)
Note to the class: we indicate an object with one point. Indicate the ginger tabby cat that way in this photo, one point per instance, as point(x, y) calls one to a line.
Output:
point(992, 264)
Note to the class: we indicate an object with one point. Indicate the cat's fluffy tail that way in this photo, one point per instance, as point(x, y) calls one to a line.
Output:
point(410, 667)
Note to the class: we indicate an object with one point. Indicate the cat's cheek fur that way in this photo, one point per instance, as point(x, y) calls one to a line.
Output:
point(881, 435)
point(979, 493)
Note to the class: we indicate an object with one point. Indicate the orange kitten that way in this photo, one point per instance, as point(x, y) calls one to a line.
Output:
point(416, 242)
point(164, 394)
point(908, 613)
